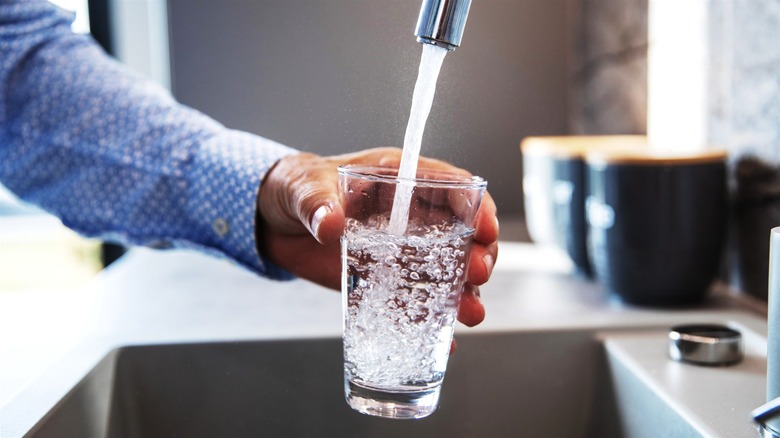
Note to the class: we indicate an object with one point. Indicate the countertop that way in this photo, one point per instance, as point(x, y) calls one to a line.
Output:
point(50, 341)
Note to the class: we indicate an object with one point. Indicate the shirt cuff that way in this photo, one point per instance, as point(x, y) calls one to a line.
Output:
point(225, 178)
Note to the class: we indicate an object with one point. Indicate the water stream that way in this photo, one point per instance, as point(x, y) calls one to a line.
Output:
point(424, 89)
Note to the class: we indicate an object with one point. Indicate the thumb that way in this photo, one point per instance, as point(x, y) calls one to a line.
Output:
point(320, 211)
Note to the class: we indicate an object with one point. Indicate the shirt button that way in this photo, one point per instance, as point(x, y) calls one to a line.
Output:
point(220, 227)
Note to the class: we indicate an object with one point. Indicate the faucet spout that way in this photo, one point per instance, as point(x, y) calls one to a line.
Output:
point(441, 22)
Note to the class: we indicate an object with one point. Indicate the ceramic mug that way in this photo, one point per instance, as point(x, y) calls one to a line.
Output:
point(656, 223)
point(554, 183)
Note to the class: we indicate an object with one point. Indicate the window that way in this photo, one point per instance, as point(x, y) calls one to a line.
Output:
point(38, 252)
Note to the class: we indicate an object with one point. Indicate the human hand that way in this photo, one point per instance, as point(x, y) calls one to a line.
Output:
point(301, 220)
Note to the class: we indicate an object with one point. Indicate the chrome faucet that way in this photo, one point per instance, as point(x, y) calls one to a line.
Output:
point(441, 22)
point(768, 415)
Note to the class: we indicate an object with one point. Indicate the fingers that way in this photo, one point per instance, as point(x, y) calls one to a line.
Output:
point(301, 191)
point(481, 262)
point(391, 157)
point(484, 251)
point(486, 221)
point(432, 163)
point(317, 206)
point(327, 223)
point(385, 156)
point(470, 310)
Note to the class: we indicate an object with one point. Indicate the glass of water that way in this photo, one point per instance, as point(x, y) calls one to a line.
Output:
point(404, 259)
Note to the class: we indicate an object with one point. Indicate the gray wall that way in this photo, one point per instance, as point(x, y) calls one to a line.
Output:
point(334, 76)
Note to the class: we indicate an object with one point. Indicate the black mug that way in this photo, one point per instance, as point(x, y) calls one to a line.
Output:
point(656, 223)
point(554, 183)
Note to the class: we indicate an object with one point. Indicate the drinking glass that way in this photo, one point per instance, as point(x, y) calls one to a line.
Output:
point(401, 285)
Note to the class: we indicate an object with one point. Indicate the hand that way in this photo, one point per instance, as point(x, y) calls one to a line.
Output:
point(301, 221)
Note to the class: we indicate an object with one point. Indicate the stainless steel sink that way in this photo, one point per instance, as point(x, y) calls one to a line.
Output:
point(556, 357)
point(531, 383)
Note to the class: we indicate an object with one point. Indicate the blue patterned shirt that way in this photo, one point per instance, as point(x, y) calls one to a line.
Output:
point(112, 154)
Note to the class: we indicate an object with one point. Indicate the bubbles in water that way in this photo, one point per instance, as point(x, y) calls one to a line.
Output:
point(402, 297)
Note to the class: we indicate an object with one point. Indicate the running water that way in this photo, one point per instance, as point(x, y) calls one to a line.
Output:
point(424, 89)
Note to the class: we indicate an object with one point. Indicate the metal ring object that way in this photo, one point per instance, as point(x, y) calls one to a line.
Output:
point(705, 344)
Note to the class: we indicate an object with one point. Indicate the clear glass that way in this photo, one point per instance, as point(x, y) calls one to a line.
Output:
point(401, 291)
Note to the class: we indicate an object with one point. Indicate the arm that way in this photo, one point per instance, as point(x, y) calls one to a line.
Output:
point(114, 155)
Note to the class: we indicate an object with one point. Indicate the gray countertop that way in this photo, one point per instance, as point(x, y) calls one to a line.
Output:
point(153, 297)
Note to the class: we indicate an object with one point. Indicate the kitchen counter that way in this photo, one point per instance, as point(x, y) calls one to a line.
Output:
point(158, 297)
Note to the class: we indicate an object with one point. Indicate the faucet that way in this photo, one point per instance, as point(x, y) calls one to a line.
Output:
point(768, 415)
point(441, 22)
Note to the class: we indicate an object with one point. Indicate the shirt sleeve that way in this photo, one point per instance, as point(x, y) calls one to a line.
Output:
point(114, 155)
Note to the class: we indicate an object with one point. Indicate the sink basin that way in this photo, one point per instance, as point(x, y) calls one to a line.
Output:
point(532, 383)
point(556, 357)
point(543, 385)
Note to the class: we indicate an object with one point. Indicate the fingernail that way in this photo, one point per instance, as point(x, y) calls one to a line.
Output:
point(317, 219)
